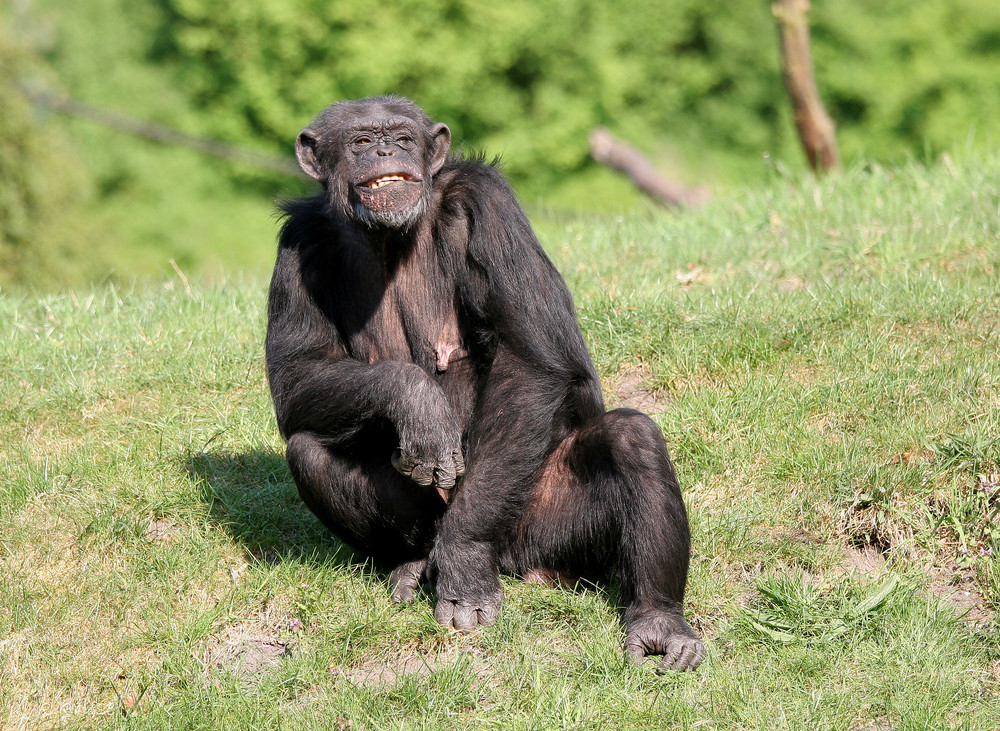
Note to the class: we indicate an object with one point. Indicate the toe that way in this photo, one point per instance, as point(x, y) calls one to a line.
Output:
point(687, 656)
point(405, 581)
point(404, 594)
point(488, 615)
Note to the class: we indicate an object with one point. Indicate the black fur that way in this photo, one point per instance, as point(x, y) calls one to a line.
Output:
point(441, 410)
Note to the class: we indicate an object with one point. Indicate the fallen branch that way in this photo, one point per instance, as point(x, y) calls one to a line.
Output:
point(608, 150)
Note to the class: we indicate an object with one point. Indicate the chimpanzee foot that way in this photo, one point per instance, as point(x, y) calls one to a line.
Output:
point(664, 633)
point(467, 615)
point(404, 581)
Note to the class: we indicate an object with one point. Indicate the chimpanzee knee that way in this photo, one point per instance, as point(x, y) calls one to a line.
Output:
point(633, 437)
point(368, 505)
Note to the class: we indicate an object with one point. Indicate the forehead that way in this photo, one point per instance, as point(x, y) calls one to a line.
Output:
point(366, 113)
point(380, 121)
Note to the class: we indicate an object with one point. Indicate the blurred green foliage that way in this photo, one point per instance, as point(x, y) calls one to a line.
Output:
point(696, 84)
point(903, 77)
point(142, 208)
point(525, 79)
point(40, 187)
point(530, 79)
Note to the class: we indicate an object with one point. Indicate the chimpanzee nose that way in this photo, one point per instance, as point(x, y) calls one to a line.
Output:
point(384, 151)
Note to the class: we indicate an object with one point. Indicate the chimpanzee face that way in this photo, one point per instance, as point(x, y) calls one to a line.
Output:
point(376, 158)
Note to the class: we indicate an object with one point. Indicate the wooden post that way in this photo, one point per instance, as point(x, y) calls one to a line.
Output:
point(816, 128)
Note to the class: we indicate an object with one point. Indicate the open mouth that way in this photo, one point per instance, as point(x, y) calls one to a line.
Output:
point(384, 180)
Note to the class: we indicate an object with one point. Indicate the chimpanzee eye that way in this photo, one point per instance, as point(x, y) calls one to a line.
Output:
point(363, 140)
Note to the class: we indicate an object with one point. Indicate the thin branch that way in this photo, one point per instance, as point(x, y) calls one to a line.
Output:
point(160, 133)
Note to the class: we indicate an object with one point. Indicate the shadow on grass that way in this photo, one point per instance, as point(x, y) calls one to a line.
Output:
point(252, 497)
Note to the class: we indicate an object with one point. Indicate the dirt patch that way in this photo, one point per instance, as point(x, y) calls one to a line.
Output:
point(249, 655)
point(882, 723)
point(390, 671)
point(249, 647)
point(791, 284)
point(955, 587)
point(631, 392)
point(866, 560)
point(161, 530)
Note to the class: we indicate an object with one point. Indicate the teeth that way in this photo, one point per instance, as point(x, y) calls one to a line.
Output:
point(379, 182)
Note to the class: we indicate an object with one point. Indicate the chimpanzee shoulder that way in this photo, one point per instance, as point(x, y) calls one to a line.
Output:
point(306, 221)
point(469, 180)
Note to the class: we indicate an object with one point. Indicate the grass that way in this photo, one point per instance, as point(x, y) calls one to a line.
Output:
point(822, 358)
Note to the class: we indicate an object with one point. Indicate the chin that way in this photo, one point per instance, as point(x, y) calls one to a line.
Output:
point(395, 218)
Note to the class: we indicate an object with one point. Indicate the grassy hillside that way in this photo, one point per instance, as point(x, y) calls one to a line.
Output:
point(822, 358)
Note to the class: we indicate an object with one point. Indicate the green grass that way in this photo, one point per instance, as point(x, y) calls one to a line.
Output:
point(822, 358)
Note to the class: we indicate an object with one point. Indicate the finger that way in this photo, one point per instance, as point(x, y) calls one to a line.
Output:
point(423, 474)
point(671, 654)
point(672, 659)
point(459, 459)
point(487, 615)
point(444, 611)
point(686, 659)
point(465, 618)
point(444, 477)
point(699, 655)
point(687, 656)
point(405, 581)
point(636, 652)
point(404, 593)
point(402, 463)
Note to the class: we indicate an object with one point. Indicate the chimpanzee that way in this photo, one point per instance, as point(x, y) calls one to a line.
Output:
point(441, 410)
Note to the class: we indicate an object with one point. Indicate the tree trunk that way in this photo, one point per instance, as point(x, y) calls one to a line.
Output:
point(816, 129)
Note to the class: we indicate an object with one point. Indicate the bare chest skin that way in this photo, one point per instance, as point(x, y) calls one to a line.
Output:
point(406, 311)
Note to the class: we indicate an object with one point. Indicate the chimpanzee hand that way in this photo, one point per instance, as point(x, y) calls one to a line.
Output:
point(433, 460)
point(467, 584)
point(663, 633)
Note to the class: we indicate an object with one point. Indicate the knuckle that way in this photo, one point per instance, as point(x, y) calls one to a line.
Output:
point(423, 478)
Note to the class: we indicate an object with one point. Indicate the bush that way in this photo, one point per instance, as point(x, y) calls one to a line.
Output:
point(40, 185)
point(529, 80)
point(900, 76)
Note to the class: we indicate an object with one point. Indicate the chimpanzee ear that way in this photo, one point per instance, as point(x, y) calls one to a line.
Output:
point(305, 151)
point(441, 136)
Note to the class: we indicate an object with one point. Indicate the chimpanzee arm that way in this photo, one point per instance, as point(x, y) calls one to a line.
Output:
point(318, 388)
point(541, 383)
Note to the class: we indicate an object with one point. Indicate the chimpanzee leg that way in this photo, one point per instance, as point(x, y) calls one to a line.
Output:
point(366, 502)
point(608, 500)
